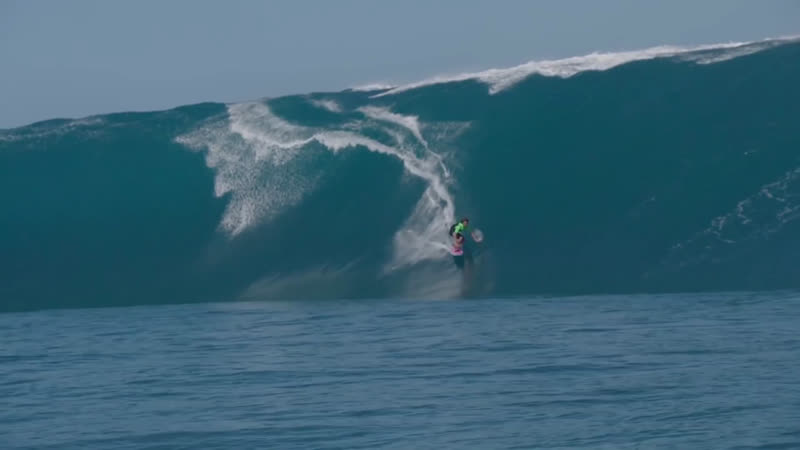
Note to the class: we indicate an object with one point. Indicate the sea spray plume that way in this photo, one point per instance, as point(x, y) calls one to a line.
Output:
point(258, 158)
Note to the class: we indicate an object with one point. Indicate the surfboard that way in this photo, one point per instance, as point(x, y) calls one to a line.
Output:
point(456, 252)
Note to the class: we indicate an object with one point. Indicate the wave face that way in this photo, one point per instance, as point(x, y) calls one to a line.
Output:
point(661, 170)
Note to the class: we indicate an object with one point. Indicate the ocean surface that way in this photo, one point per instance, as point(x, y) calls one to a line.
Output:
point(712, 371)
point(276, 273)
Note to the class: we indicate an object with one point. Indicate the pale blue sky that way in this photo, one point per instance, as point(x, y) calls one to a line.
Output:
point(75, 58)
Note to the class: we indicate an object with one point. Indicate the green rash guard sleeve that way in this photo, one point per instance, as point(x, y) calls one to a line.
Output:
point(459, 228)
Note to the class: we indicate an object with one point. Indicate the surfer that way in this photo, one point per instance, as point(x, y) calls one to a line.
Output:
point(457, 232)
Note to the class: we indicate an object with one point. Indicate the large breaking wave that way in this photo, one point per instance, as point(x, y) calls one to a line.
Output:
point(658, 170)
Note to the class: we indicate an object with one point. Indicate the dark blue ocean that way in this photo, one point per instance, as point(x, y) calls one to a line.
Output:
point(277, 274)
point(598, 372)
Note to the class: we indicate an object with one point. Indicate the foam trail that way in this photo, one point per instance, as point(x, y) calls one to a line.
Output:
point(411, 123)
point(415, 241)
point(244, 153)
point(258, 160)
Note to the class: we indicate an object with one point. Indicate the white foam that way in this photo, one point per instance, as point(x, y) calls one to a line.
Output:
point(43, 131)
point(271, 137)
point(411, 123)
point(500, 79)
point(258, 160)
point(372, 87)
point(414, 242)
point(717, 55)
point(758, 215)
point(327, 104)
point(423, 235)
point(244, 151)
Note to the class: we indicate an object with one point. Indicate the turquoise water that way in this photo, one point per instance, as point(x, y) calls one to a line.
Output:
point(655, 171)
point(613, 372)
point(276, 274)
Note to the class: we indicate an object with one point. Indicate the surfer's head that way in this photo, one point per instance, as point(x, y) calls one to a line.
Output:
point(465, 221)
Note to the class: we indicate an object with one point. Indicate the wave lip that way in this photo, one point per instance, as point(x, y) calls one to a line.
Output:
point(501, 79)
point(371, 87)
